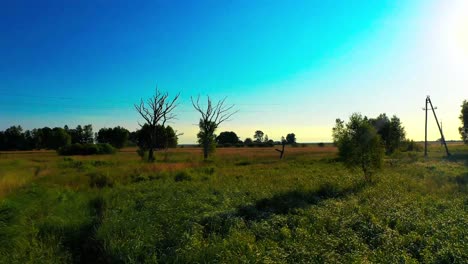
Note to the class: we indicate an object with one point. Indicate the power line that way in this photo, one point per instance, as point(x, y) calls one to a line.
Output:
point(118, 101)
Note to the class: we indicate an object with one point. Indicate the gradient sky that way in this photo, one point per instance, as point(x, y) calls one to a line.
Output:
point(288, 66)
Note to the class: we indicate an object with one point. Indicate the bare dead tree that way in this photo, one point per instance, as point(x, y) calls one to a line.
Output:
point(156, 111)
point(211, 117)
point(283, 143)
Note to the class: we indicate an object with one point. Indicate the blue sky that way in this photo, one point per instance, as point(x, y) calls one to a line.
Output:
point(287, 66)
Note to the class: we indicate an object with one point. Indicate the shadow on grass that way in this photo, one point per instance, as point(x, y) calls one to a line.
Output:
point(458, 157)
point(462, 182)
point(280, 204)
point(80, 241)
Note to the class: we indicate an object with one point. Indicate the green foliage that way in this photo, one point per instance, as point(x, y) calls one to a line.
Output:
point(391, 131)
point(410, 145)
point(86, 149)
point(116, 136)
point(206, 137)
point(291, 138)
point(163, 137)
point(81, 134)
point(49, 225)
point(258, 136)
point(227, 138)
point(358, 144)
point(12, 139)
point(464, 120)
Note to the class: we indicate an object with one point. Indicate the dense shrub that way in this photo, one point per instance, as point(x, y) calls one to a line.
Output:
point(410, 145)
point(86, 149)
point(359, 145)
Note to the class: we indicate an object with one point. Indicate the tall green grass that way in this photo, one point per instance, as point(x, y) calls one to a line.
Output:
point(239, 207)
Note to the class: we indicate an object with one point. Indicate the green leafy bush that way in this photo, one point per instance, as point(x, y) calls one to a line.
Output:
point(359, 145)
point(410, 145)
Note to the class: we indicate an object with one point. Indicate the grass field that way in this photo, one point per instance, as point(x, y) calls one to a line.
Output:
point(244, 206)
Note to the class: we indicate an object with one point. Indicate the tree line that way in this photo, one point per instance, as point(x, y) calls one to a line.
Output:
point(362, 141)
point(15, 138)
point(230, 138)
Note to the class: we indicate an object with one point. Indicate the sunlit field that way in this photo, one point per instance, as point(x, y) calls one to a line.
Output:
point(245, 205)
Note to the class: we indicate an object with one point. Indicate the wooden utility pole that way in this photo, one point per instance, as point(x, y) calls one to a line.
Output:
point(442, 138)
point(425, 130)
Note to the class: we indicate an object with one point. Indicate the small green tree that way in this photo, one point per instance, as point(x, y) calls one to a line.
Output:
point(464, 119)
point(359, 145)
point(211, 117)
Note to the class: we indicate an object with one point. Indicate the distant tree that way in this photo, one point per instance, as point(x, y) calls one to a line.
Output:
point(29, 140)
point(157, 111)
point(464, 119)
point(46, 137)
point(80, 135)
point(58, 138)
point(14, 138)
point(211, 117)
point(88, 135)
point(2, 141)
point(227, 138)
point(248, 141)
point(77, 134)
point(291, 139)
point(391, 131)
point(116, 136)
point(258, 136)
point(359, 145)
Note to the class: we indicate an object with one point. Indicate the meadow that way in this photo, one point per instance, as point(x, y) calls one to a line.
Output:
point(242, 206)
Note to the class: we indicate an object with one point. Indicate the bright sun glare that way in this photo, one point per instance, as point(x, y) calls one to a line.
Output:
point(453, 32)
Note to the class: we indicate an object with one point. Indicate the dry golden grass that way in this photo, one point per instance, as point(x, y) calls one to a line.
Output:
point(18, 168)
